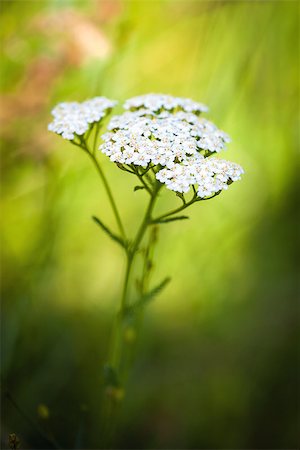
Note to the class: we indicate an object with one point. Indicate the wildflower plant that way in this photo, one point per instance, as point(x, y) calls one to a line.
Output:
point(164, 142)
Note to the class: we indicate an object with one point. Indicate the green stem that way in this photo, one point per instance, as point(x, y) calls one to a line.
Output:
point(135, 245)
point(118, 356)
point(148, 258)
point(115, 357)
point(115, 354)
point(96, 137)
point(129, 262)
point(174, 211)
point(108, 191)
point(184, 206)
point(140, 177)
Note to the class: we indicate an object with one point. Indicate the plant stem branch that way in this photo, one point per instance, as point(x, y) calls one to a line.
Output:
point(140, 177)
point(120, 357)
point(184, 206)
point(135, 245)
point(116, 349)
point(175, 211)
point(108, 191)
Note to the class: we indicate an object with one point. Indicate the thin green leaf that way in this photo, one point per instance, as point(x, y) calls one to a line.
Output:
point(113, 236)
point(171, 219)
point(120, 166)
point(145, 299)
point(137, 188)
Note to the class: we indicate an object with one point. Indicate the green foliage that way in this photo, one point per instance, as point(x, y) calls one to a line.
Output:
point(113, 236)
point(138, 188)
point(218, 351)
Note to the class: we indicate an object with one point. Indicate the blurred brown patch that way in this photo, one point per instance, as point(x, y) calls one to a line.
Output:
point(79, 38)
point(108, 10)
point(71, 39)
point(32, 92)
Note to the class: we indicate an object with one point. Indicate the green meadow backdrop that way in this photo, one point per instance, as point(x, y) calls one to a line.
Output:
point(217, 359)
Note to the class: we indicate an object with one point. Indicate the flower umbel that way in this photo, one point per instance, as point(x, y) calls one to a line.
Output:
point(210, 175)
point(140, 137)
point(158, 102)
point(167, 134)
point(73, 118)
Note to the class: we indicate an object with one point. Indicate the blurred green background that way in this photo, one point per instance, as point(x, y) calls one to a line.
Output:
point(217, 363)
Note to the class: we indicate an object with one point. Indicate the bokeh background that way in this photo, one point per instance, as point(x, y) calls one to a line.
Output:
point(218, 363)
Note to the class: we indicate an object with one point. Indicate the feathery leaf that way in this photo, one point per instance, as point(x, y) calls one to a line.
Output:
point(113, 236)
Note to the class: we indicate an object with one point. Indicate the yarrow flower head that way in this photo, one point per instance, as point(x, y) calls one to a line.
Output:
point(157, 132)
point(74, 118)
point(140, 138)
point(159, 102)
point(167, 134)
point(210, 175)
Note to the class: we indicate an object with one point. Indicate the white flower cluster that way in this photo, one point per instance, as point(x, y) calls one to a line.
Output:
point(74, 118)
point(210, 175)
point(140, 137)
point(158, 102)
point(158, 129)
point(166, 131)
